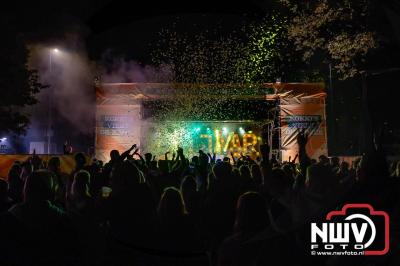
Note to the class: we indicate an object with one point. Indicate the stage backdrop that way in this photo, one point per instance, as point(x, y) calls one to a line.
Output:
point(120, 121)
point(303, 113)
point(220, 137)
point(117, 127)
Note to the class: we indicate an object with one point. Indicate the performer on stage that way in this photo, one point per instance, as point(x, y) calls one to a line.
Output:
point(67, 147)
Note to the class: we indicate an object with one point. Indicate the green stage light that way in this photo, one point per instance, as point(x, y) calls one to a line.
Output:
point(241, 131)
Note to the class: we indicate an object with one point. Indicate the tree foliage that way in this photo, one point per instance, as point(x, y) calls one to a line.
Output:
point(353, 35)
point(18, 83)
point(270, 55)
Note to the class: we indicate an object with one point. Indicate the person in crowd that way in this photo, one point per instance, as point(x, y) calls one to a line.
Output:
point(36, 232)
point(174, 223)
point(80, 162)
point(67, 148)
point(82, 211)
point(256, 175)
point(5, 201)
point(115, 158)
point(15, 183)
point(219, 207)
point(239, 210)
point(130, 212)
point(108, 167)
point(26, 169)
point(335, 164)
point(79, 199)
point(97, 180)
point(61, 179)
point(251, 219)
point(396, 172)
point(191, 196)
point(246, 182)
point(343, 171)
point(36, 162)
point(323, 160)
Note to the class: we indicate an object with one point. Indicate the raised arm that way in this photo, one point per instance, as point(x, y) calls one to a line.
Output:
point(142, 160)
point(266, 166)
point(302, 139)
point(125, 154)
point(233, 158)
point(180, 154)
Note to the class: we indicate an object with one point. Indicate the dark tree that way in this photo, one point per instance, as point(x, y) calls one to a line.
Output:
point(269, 54)
point(18, 83)
point(353, 35)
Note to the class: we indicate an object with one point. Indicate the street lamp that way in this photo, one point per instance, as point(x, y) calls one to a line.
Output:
point(49, 113)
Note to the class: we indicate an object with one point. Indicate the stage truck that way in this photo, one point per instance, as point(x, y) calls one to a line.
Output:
point(224, 119)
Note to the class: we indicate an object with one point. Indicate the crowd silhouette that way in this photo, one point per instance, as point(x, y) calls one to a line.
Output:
point(135, 210)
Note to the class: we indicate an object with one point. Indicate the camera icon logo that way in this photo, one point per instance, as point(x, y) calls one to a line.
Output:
point(356, 229)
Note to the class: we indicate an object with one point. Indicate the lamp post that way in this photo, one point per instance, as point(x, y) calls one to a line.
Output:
point(49, 102)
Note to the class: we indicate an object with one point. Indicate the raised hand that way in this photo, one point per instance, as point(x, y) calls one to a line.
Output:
point(304, 160)
point(233, 158)
point(179, 151)
point(131, 148)
point(302, 138)
point(294, 160)
point(166, 155)
point(212, 157)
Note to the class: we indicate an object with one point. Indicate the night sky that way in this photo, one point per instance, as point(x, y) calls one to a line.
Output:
point(127, 28)
point(120, 29)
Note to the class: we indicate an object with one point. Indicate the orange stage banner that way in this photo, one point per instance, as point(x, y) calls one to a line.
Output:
point(303, 113)
point(7, 160)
